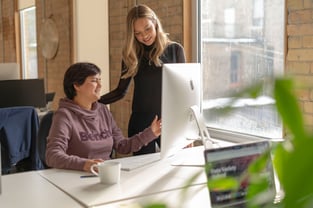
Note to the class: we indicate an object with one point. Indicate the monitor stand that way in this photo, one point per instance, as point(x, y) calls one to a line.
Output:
point(193, 157)
point(204, 133)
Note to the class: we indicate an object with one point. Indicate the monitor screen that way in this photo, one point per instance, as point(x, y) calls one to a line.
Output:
point(181, 89)
point(22, 92)
point(9, 71)
point(234, 161)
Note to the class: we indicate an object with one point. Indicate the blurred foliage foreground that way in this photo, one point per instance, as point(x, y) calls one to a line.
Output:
point(292, 158)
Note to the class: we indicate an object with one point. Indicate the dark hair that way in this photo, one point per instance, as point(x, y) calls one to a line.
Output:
point(77, 74)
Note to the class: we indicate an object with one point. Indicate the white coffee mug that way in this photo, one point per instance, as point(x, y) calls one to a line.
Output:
point(109, 172)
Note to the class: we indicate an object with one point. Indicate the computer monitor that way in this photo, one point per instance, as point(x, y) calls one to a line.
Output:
point(22, 92)
point(9, 71)
point(181, 89)
point(49, 97)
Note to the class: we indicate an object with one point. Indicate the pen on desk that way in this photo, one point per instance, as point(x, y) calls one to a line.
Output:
point(88, 176)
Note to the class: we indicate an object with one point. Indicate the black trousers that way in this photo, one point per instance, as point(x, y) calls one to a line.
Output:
point(137, 123)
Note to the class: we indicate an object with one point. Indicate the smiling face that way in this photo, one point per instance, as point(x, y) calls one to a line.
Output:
point(144, 31)
point(89, 91)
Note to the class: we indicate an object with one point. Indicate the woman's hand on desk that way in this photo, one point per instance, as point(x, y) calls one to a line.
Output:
point(89, 163)
point(156, 126)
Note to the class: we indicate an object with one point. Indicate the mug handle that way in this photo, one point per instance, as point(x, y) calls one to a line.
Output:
point(93, 170)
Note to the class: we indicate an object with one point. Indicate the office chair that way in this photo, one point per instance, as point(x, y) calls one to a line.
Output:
point(43, 132)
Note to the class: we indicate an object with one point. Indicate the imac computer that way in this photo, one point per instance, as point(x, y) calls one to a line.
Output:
point(22, 92)
point(181, 100)
point(181, 89)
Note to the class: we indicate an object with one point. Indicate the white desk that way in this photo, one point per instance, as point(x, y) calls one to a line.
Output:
point(29, 189)
point(197, 196)
point(154, 179)
point(159, 182)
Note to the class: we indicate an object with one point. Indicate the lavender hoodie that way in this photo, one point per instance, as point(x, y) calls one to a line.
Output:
point(77, 134)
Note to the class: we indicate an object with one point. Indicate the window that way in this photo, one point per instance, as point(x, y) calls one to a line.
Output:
point(28, 42)
point(241, 42)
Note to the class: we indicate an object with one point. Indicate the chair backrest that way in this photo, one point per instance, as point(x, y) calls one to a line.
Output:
point(43, 133)
point(18, 136)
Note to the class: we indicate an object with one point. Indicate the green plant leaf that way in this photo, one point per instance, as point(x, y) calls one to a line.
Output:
point(259, 164)
point(223, 183)
point(287, 106)
point(259, 192)
point(296, 175)
point(156, 205)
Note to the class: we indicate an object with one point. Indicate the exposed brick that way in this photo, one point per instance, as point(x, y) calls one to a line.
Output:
point(307, 41)
point(308, 119)
point(56, 67)
point(304, 81)
point(308, 4)
point(295, 42)
point(294, 4)
point(311, 94)
point(301, 105)
point(298, 67)
point(300, 55)
point(311, 68)
point(8, 35)
point(308, 107)
point(303, 94)
point(300, 16)
point(301, 29)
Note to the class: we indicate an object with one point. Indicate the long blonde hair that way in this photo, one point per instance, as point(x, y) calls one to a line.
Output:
point(132, 48)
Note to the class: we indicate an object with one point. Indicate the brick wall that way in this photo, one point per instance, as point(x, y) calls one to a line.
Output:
point(299, 62)
point(8, 49)
point(60, 11)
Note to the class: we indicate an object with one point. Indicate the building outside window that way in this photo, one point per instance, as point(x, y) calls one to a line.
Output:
point(240, 43)
point(234, 66)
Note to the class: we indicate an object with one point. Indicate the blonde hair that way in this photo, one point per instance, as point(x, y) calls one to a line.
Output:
point(132, 48)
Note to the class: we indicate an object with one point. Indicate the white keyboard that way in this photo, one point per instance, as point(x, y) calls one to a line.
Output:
point(134, 162)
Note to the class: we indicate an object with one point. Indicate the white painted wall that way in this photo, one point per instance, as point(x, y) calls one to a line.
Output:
point(91, 35)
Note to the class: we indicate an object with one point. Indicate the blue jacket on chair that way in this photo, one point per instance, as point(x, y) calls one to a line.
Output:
point(18, 133)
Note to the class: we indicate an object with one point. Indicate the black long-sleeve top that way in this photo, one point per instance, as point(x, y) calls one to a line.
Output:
point(148, 81)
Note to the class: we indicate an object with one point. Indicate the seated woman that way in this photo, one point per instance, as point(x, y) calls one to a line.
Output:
point(83, 131)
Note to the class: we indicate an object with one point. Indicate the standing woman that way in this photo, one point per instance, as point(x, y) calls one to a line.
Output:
point(146, 49)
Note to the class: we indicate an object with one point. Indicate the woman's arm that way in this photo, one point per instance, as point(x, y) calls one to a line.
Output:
point(132, 144)
point(120, 91)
